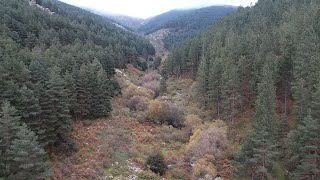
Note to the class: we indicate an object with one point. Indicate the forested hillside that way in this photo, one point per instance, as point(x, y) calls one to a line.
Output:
point(264, 57)
point(154, 23)
point(184, 24)
point(56, 66)
point(126, 21)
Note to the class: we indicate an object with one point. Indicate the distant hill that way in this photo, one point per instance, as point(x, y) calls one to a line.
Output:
point(127, 21)
point(184, 24)
point(157, 22)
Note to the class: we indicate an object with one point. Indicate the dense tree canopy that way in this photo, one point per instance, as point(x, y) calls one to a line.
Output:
point(229, 60)
point(56, 64)
point(184, 24)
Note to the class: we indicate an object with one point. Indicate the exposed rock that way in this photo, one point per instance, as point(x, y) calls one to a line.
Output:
point(34, 3)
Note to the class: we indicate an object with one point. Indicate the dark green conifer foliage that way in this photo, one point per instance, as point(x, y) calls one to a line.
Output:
point(157, 164)
point(9, 123)
point(203, 80)
point(258, 155)
point(25, 157)
point(3, 168)
point(306, 145)
point(215, 85)
point(315, 105)
point(102, 96)
point(265, 103)
point(55, 110)
point(70, 85)
point(83, 93)
point(230, 95)
point(29, 108)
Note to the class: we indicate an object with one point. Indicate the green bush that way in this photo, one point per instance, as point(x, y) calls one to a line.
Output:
point(157, 164)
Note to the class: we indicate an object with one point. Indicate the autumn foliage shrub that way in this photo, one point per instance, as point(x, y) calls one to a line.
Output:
point(171, 134)
point(148, 175)
point(151, 81)
point(133, 90)
point(151, 76)
point(206, 147)
point(193, 121)
point(138, 98)
point(165, 113)
point(152, 85)
point(211, 140)
point(204, 168)
point(138, 103)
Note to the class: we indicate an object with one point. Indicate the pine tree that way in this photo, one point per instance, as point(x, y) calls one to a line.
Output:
point(55, 110)
point(306, 71)
point(25, 157)
point(315, 105)
point(3, 168)
point(102, 96)
point(83, 93)
point(9, 123)
point(202, 80)
point(71, 92)
point(230, 94)
point(93, 86)
point(264, 154)
point(265, 103)
point(307, 156)
point(29, 109)
point(214, 84)
point(258, 154)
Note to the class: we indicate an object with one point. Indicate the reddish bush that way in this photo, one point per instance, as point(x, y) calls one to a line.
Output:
point(166, 113)
point(133, 90)
point(171, 115)
point(151, 76)
point(152, 85)
point(211, 141)
point(138, 103)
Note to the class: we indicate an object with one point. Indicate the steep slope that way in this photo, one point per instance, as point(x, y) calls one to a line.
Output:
point(184, 24)
point(56, 65)
point(264, 58)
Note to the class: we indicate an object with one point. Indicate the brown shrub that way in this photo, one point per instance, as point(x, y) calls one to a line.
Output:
point(154, 111)
point(171, 114)
point(193, 121)
point(152, 85)
point(165, 113)
point(170, 134)
point(204, 168)
point(212, 141)
point(138, 103)
point(151, 76)
point(148, 175)
point(133, 90)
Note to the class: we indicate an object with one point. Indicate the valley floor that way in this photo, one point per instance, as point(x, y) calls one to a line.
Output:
point(117, 147)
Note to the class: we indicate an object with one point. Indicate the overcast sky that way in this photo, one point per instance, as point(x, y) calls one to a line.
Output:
point(148, 8)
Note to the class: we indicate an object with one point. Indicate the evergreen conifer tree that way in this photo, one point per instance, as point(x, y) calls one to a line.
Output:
point(83, 93)
point(29, 109)
point(102, 97)
point(259, 153)
point(70, 85)
point(55, 110)
point(307, 156)
point(9, 123)
point(25, 157)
